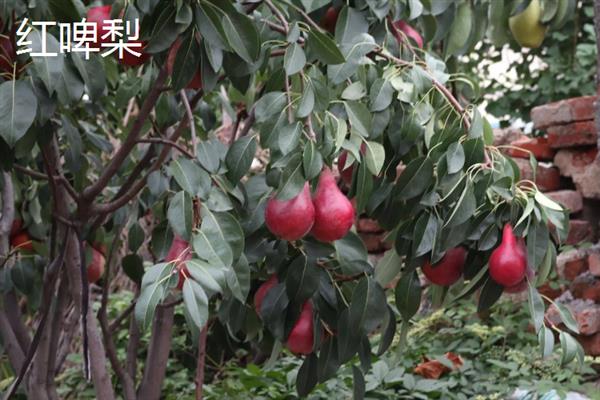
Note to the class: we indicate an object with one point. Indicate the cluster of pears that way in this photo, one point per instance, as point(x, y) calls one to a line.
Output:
point(507, 264)
point(328, 215)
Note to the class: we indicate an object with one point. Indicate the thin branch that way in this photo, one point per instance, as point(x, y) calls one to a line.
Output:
point(167, 142)
point(439, 86)
point(288, 94)
point(190, 116)
point(170, 303)
point(248, 122)
point(278, 14)
point(30, 172)
point(121, 154)
point(306, 17)
point(114, 325)
point(70, 189)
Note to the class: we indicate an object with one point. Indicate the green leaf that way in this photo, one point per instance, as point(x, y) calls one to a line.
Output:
point(210, 277)
point(292, 180)
point(196, 302)
point(18, 106)
point(294, 59)
point(359, 116)
point(388, 268)
point(537, 244)
point(186, 62)
point(312, 161)
point(307, 377)
point(328, 363)
point(242, 35)
point(354, 91)
point(547, 202)
point(569, 347)
point(368, 306)
point(49, 69)
point(239, 158)
point(374, 156)
point(567, 317)
point(536, 307)
point(425, 234)
point(476, 130)
point(64, 10)
point(270, 104)
point(464, 208)
point(461, 28)
point(415, 178)
point(546, 341)
point(302, 279)
point(324, 47)
point(364, 187)
point(490, 293)
point(381, 95)
point(164, 31)
point(209, 154)
point(307, 101)
point(133, 266)
point(289, 137)
point(93, 74)
point(224, 227)
point(358, 388)
point(455, 157)
point(238, 279)
point(150, 296)
point(408, 295)
point(135, 237)
point(190, 177)
point(209, 24)
point(546, 266)
point(180, 214)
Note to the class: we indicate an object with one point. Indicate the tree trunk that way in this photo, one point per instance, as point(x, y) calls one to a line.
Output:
point(158, 354)
point(597, 30)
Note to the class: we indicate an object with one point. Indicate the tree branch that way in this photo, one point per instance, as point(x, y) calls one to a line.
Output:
point(117, 159)
point(190, 115)
point(168, 142)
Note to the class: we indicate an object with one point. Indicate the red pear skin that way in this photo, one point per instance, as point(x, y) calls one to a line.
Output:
point(22, 242)
point(99, 16)
point(290, 219)
point(262, 292)
point(334, 213)
point(131, 60)
point(508, 261)
point(95, 269)
point(180, 251)
point(329, 20)
point(409, 31)
point(449, 269)
point(301, 337)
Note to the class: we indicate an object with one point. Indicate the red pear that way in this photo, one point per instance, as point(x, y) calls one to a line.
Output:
point(196, 82)
point(95, 268)
point(262, 292)
point(290, 219)
point(409, 31)
point(16, 226)
point(522, 286)
point(449, 269)
point(22, 242)
point(508, 261)
point(329, 20)
point(334, 213)
point(179, 253)
point(99, 16)
point(301, 337)
point(132, 60)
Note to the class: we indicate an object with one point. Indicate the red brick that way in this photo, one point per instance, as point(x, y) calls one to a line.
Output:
point(574, 268)
point(586, 286)
point(579, 231)
point(373, 242)
point(588, 319)
point(594, 264)
point(590, 344)
point(573, 161)
point(570, 199)
point(547, 177)
point(550, 292)
point(563, 112)
point(539, 147)
point(575, 134)
point(368, 225)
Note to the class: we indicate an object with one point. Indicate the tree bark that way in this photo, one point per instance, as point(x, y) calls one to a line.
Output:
point(201, 362)
point(597, 30)
point(158, 354)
